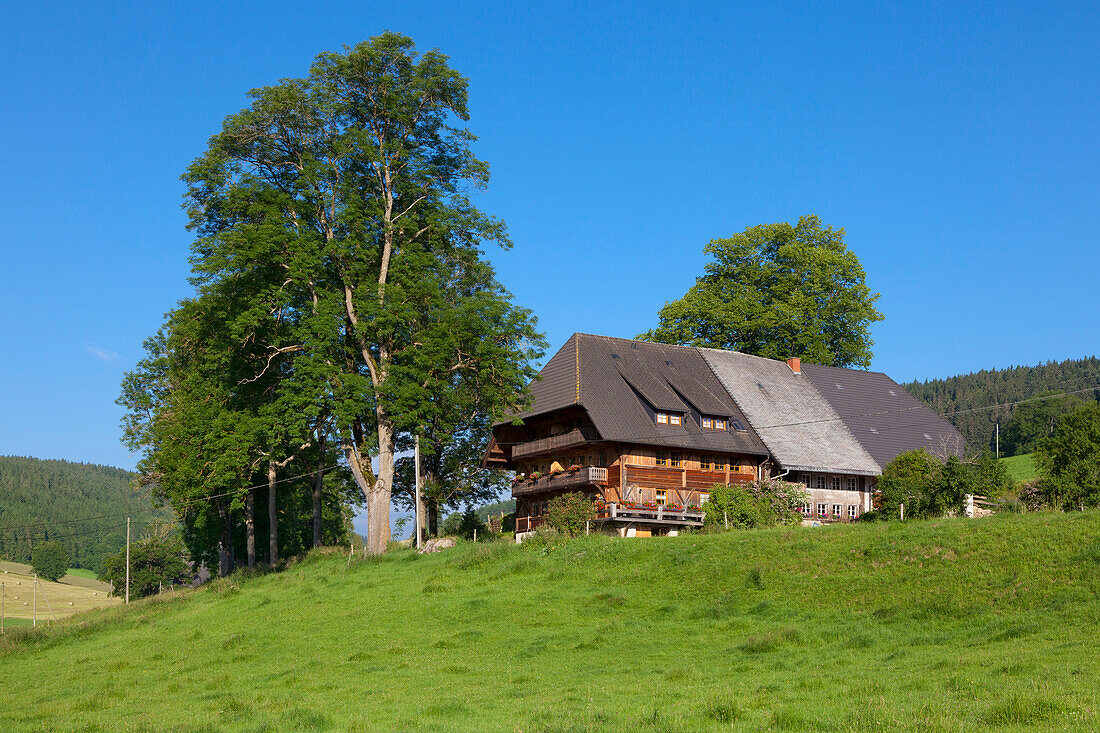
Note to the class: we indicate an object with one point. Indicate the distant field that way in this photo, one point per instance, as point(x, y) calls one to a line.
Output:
point(930, 627)
point(1021, 468)
point(82, 573)
point(72, 594)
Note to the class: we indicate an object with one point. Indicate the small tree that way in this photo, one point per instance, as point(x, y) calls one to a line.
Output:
point(905, 480)
point(1070, 460)
point(50, 560)
point(570, 513)
point(464, 524)
point(155, 561)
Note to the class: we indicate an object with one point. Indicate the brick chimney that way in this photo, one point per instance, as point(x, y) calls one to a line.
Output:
point(795, 364)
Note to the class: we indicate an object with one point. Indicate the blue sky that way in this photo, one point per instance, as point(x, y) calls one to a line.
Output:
point(957, 145)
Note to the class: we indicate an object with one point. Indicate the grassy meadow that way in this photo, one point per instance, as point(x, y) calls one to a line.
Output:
point(926, 626)
point(1021, 468)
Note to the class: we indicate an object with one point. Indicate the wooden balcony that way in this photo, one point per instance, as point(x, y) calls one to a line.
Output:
point(575, 438)
point(659, 514)
point(584, 476)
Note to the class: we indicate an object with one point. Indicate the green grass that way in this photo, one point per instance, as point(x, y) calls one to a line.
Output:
point(1021, 468)
point(82, 573)
point(926, 626)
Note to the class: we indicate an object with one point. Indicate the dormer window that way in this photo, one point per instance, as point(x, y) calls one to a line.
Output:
point(669, 418)
point(711, 422)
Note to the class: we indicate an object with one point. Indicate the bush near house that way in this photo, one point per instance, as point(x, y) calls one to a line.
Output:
point(569, 513)
point(931, 488)
point(763, 503)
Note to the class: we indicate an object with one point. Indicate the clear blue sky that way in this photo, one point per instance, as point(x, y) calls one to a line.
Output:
point(956, 145)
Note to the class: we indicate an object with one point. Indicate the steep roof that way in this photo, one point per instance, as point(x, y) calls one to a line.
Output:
point(796, 423)
point(825, 419)
point(621, 383)
point(882, 415)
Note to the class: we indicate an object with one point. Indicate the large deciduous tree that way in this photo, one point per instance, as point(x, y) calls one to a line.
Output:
point(339, 257)
point(778, 291)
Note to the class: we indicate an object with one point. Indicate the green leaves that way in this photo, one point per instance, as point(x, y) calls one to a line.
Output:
point(777, 291)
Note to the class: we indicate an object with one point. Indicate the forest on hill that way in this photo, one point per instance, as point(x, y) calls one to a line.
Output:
point(964, 401)
point(52, 499)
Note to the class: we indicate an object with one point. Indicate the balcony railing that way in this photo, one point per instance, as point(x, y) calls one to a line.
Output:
point(584, 476)
point(661, 514)
point(527, 524)
point(575, 438)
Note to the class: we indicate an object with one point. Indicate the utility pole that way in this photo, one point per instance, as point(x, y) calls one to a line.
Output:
point(416, 480)
point(1, 608)
point(998, 439)
point(34, 601)
point(127, 559)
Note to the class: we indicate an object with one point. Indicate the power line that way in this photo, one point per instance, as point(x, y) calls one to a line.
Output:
point(184, 505)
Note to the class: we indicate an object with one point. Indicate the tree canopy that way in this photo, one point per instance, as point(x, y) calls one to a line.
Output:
point(1070, 460)
point(778, 291)
point(50, 560)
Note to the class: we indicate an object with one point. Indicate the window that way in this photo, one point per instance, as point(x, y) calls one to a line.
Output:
point(662, 418)
point(807, 509)
point(719, 424)
point(821, 481)
point(662, 458)
point(851, 483)
point(851, 511)
point(738, 426)
point(704, 497)
point(601, 459)
point(674, 459)
point(836, 484)
point(674, 419)
point(661, 494)
point(836, 510)
point(720, 464)
point(708, 422)
point(822, 510)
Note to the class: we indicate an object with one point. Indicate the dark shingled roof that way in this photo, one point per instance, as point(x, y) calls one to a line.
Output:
point(882, 415)
point(829, 419)
point(621, 383)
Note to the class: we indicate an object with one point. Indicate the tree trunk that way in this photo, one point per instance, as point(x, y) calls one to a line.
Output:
point(378, 501)
point(318, 484)
point(433, 518)
point(223, 542)
point(273, 524)
point(250, 527)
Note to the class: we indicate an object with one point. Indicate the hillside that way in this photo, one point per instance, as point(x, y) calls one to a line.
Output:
point(932, 626)
point(1000, 386)
point(39, 499)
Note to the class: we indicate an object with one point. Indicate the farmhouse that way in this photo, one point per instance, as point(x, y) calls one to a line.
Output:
point(648, 429)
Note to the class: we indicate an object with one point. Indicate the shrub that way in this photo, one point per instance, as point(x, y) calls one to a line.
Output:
point(50, 560)
point(931, 488)
point(763, 503)
point(570, 513)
